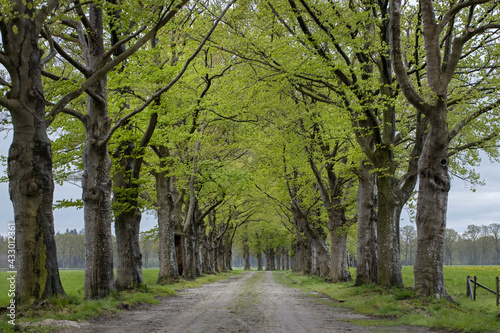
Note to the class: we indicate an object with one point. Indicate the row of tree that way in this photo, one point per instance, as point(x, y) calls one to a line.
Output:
point(292, 126)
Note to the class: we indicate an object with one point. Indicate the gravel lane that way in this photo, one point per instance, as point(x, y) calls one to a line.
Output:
point(250, 302)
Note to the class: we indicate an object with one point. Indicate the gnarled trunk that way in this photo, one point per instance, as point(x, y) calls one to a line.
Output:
point(31, 184)
point(434, 185)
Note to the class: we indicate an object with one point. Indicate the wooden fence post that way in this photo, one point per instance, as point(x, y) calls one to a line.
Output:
point(497, 289)
point(475, 279)
point(468, 286)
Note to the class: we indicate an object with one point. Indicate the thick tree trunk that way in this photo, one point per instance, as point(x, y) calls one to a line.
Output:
point(389, 210)
point(322, 257)
point(366, 268)
point(31, 184)
point(268, 259)
point(31, 190)
point(229, 252)
point(338, 234)
point(169, 271)
point(96, 184)
point(259, 261)
point(434, 184)
point(129, 264)
point(278, 259)
point(188, 256)
point(127, 223)
point(96, 181)
point(246, 255)
point(221, 262)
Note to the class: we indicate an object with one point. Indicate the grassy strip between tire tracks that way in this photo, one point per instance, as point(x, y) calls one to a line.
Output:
point(74, 307)
point(399, 306)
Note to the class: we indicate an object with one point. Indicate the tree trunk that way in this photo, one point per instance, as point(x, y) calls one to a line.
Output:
point(366, 268)
point(96, 180)
point(389, 259)
point(278, 259)
point(31, 184)
point(322, 257)
point(127, 224)
point(338, 234)
point(246, 255)
point(259, 261)
point(188, 257)
point(434, 184)
point(169, 271)
point(229, 252)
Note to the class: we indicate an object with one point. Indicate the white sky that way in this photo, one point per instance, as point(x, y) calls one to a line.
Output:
point(464, 206)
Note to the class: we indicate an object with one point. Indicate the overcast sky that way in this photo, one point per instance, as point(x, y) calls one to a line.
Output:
point(464, 206)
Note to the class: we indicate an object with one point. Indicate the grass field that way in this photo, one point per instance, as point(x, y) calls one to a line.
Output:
point(397, 306)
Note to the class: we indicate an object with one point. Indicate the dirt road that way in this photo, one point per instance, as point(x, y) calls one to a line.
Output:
point(250, 302)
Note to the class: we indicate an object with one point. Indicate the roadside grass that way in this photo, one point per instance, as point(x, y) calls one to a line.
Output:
point(74, 307)
point(399, 306)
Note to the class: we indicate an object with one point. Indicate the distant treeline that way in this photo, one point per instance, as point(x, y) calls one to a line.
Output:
point(71, 250)
point(478, 245)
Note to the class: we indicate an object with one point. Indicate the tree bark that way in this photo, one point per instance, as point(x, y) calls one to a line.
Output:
point(96, 180)
point(259, 261)
point(434, 185)
point(169, 271)
point(338, 234)
point(31, 184)
point(389, 259)
point(366, 268)
point(246, 255)
point(127, 221)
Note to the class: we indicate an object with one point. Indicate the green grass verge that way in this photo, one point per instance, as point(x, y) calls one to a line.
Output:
point(74, 307)
point(400, 306)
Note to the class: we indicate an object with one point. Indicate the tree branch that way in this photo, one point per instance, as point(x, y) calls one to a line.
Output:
point(395, 42)
point(454, 10)
point(458, 127)
point(123, 120)
point(458, 45)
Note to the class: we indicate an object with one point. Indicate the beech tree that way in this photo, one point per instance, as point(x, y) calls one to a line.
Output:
point(96, 180)
point(455, 36)
point(352, 72)
point(31, 184)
